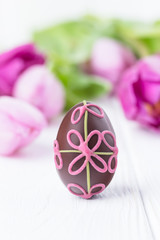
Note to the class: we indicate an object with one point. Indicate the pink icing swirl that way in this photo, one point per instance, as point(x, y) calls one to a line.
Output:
point(82, 110)
point(113, 148)
point(57, 154)
point(83, 193)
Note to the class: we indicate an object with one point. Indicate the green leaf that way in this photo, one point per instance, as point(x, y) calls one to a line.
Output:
point(72, 41)
point(80, 86)
point(143, 38)
point(68, 45)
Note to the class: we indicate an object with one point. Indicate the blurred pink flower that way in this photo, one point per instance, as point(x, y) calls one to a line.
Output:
point(14, 62)
point(140, 92)
point(20, 124)
point(110, 58)
point(38, 86)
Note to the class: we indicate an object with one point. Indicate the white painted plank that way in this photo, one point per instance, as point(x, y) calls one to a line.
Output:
point(34, 204)
point(144, 147)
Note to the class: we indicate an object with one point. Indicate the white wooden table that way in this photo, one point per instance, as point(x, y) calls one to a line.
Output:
point(34, 204)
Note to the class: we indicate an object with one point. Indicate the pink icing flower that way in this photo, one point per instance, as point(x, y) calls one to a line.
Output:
point(38, 86)
point(140, 92)
point(14, 62)
point(86, 152)
point(83, 193)
point(110, 58)
point(20, 124)
point(82, 110)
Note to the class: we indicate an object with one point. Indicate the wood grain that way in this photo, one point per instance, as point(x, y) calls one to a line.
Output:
point(34, 204)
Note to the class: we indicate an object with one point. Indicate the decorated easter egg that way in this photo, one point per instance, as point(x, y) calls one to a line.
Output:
point(85, 151)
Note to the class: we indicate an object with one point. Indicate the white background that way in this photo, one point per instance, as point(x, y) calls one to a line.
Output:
point(34, 204)
point(19, 18)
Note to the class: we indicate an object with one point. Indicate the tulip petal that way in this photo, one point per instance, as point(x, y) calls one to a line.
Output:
point(110, 58)
point(127, 95)
point(20, 124)
point(14, 62)
point(140, 92)
point(39, 87)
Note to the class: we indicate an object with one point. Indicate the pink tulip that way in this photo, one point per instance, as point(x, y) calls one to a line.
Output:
point(14, 62)
point(39, 87)
point(140, 92)
point(110, 58)
point(20, 124)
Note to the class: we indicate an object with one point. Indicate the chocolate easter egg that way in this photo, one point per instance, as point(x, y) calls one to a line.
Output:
point(85, 151)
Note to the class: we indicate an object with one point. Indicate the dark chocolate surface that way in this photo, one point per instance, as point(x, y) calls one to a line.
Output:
point(94, 123)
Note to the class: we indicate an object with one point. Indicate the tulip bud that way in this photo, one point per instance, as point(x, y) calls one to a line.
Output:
point(110, 58)
point(140, 92)
point(14, 62)
point(20, 124)
point(39, 87)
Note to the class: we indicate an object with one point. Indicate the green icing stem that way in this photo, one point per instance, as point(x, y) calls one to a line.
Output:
point(85, 137)
point(77, 151)
point(69, 151)
point(103, 153)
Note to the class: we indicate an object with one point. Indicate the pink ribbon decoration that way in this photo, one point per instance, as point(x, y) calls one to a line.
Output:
point(113, 148)
point(58, 155)
point(86, 152)
point(82, 110)
point(83, 193)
